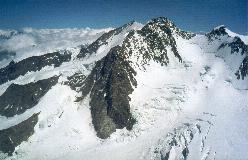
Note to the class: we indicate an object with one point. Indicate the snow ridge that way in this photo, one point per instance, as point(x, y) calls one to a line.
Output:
point(160, 92)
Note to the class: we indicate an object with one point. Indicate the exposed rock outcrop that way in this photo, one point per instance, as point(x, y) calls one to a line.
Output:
point(15, 135)
point(18, 98)
point(109, 85)
point(35, 63)
point(103, 40)
point(216, 33)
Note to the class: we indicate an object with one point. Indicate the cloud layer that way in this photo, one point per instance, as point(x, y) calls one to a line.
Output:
point(17, 45)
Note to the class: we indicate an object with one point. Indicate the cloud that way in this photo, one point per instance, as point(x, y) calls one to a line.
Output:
point(18, 42)
point(29, 42)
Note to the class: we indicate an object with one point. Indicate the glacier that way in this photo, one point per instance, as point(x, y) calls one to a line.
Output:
point(187, 102)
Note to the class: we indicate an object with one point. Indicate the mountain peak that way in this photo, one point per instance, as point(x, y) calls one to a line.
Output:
point(129, 85)
point(110, 39)
point(220, 30)
point(131, 22)
point(162, 21)
point(217, 32)
point(220, 27)
point(166, 25)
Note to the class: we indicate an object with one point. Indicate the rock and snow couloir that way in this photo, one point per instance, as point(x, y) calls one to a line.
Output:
point(138, 91)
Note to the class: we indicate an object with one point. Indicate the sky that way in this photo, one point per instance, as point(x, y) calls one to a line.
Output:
point(190, 15)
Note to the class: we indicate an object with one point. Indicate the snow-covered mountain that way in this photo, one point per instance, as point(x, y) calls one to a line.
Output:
point(148, 91)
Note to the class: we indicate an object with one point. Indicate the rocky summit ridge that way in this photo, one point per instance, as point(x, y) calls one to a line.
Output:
point(105, 75)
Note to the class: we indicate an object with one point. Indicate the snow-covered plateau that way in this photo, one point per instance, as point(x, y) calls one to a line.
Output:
point(137, 92)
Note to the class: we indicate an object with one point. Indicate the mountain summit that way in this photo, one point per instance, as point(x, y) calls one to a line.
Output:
point(149, 91)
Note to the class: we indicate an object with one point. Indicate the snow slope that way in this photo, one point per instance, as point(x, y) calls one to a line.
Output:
point(172, 102)
point(194, 109)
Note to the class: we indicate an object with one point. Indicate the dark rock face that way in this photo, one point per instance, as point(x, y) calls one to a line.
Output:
point(112, 78)
point(101, 41)
point(18, 98)
point(156, 36)
point(159, 43)
point(35, 63)
point(165, 22)
point(236, 45)
point(216, 33)
point(75, 81)
point(243, 69)
point(109, 85)
point(15, 135)
point(109, 95)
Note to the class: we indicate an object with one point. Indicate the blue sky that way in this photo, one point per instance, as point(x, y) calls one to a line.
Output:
point(191, 15)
